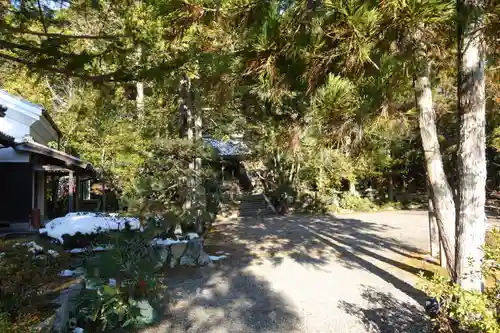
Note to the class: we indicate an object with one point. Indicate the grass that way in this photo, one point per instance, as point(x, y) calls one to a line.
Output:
point(421, 261)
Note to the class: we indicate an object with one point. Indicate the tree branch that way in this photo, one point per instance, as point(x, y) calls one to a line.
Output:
point(57, 35)
point(29, 64)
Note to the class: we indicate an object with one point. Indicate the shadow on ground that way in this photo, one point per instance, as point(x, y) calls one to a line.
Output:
point(317, 240)
point(227, 297)
point(385, 314)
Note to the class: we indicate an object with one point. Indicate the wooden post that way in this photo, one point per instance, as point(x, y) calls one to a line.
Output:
point(77, 194)
point(55, 189)
point(71, 183)
point(40, 199)
point(104, 207)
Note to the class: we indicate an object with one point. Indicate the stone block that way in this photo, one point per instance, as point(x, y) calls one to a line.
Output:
point(177, 250)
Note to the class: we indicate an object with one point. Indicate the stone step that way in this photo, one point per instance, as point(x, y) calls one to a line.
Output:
point(254, 205)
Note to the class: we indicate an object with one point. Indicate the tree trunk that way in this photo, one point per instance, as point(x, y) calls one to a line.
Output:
point(186, 131)
point(198, 185)
point(183, 124)
point(433, 229)
point(190, 137)
point(440, 191)
point(140, 100)
point(471, 218)
point(390, 189)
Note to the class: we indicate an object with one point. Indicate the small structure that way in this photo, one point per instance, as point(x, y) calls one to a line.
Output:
point(27, 162)
point(231, 155)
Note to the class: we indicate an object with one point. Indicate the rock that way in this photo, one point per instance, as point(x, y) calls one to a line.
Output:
point(163, 254)
point(80, 271)
point(46, 325)
point(67, 302)
point(204, 259)
point(177, 250)
point(172, 263)
point(194, 254)
point(147, 314)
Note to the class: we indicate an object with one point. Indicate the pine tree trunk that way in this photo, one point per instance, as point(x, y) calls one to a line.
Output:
point(440, 191)
point(471, 218)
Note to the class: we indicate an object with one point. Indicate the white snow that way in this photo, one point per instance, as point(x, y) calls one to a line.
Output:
point(166, 242)
point(67, 272)
point(76, 250)
point(32, 246)
point(86, 223)
point(101, 248)
point(193, 235)
point(53, 253)
point(228, 148)
point(215, 258)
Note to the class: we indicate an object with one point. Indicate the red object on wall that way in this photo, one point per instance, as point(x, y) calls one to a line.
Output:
point(35, 218)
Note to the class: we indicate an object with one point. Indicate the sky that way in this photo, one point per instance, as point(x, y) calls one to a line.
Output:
point(52, 4)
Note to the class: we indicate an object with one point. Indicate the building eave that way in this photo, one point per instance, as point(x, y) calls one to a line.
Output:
point(69, 161)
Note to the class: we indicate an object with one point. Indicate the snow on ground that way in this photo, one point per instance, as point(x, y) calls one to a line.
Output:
point(192, 235)
point(32, 246)
point(215, 258)
point(67, 272)
point(78, 250)
point(166, 242)
point(86, 223)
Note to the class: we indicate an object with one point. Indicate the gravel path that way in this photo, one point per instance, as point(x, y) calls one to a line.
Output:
point(344, 274)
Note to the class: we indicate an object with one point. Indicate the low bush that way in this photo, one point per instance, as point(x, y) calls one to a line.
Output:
point(462, 311)
point(355, 202)
point(124, 286)
point(29, 273)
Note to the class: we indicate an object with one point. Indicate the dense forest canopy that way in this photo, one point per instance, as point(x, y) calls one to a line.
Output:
point(332, 95)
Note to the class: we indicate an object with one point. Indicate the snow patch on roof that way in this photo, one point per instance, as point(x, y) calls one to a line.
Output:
point(228, 148)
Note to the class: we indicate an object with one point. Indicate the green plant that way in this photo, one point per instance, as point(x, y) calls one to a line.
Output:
point(355, 202)
point(120, 282)
point(165, 183)
point(25, 276)
point(23, 324)
point(466, 311)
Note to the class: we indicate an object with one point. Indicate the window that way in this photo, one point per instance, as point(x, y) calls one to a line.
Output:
point(85, 189)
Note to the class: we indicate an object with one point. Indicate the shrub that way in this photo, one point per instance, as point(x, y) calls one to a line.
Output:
point(23, 324)
point(355, 202)
point(120, 282)
point(465, 311)
point(24, 279)
point(164, 185)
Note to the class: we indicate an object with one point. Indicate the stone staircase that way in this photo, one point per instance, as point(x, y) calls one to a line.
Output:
point(254, 205)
